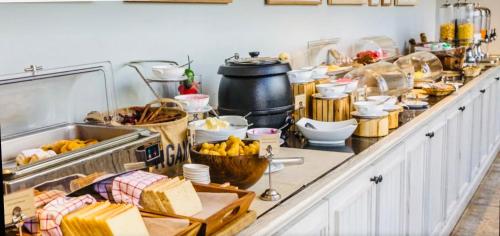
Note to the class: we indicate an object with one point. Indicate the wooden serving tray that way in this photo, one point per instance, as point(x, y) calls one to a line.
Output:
point(226, 215)
point(192, 230)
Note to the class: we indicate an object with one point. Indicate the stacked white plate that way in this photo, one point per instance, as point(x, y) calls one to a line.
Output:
point(197, 173)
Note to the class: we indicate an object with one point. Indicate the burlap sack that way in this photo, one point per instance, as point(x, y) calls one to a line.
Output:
point(174, 140)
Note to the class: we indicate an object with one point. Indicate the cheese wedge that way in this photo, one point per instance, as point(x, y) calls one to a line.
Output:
point(182, 199)
point(105, 219)
point(171, 196)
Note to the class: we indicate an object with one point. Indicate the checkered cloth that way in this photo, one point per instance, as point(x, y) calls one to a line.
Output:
point(128, 188)
point(104, 187)
point(41, 200)
point(49, 218)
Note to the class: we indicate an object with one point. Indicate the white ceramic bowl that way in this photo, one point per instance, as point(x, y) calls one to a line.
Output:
point(379, 99)
point(168, 71)
point(299, 76)
point(320, 71)
point(368, 107)
point(203, 135)
point(257, 133)
point(327, 132)
point(193, 102)
point(331, 90)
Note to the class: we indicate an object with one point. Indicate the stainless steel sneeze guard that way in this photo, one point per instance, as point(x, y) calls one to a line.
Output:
point(43, 106)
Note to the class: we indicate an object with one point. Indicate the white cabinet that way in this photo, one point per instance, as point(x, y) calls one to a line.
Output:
point(492, 119)
point(435, 166)
point(453, 132)
point(476, 132)
point(485, 117)
point(416, 166)
point(314, 222)
point(465, 145)
point(391, 207)
point(497, 106)
point(374, 202)
point(352, 209)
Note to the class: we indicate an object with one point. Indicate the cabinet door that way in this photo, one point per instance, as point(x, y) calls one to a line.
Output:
point(452, 158)
point(476, 133)
point(352, 210)
point(435, 192)
point(485, 130)
point(466, 130)
point(492, 95)
point(416, 166)
point(314, 222)
point(391, 192)
point(497, 107)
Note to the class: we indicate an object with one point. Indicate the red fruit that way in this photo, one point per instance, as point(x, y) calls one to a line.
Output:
point(183, 90)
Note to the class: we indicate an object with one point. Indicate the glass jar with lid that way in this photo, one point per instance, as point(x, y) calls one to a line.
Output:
point(446, 23)
point(478, 20)
point(464, 13)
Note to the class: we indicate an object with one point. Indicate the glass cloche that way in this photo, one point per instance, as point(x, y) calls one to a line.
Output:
point(381, 78)
point(372, 49)
point(421, 66)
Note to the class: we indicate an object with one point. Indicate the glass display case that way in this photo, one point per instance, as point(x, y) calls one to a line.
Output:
point(372, 49)
point(381, 78)
point(446, 23)
point(421, 66)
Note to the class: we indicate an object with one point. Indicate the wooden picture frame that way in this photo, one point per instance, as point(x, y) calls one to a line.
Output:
point(405, 2)
point(293, 2)
point(386, 3)
point(184, 1)
point(373, 3)
point(347, 2)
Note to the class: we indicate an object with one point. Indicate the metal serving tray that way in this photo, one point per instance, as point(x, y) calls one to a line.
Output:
point(108, 137)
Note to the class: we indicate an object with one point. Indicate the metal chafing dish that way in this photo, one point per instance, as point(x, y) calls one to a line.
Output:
point(43, 106)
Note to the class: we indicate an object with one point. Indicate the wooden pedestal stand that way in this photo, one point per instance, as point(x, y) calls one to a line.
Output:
point(330, 109)
point(372, 127)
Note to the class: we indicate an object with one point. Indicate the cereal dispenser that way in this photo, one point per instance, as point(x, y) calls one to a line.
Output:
point(464, 15)
point(447, 23)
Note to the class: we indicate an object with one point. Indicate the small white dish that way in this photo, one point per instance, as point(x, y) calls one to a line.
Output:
point(299, 76)
point(392, 107)
point(368, 107)
point(257, 133)
point(320, 71)
point(196, 173)
point(329, 90)
point(282, 141)
point(201, 110)
point(239, 129)
point(168, 72)
point(372, 115)
point(193, 102)
point(327, 132)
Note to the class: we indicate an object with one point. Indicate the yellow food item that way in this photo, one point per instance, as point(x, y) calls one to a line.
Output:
point(284, 57)
point(234, 146)
point(104, 219)
point(172, 196)
point(447, 32)
point(466, 32)
point(63, 146)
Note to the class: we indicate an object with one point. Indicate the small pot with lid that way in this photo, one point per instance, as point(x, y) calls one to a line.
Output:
point(256, 85)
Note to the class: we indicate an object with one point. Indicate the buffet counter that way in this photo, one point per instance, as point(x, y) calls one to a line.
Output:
point(416, 180)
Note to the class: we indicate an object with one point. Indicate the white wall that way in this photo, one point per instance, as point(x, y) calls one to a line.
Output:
point(56, 34)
